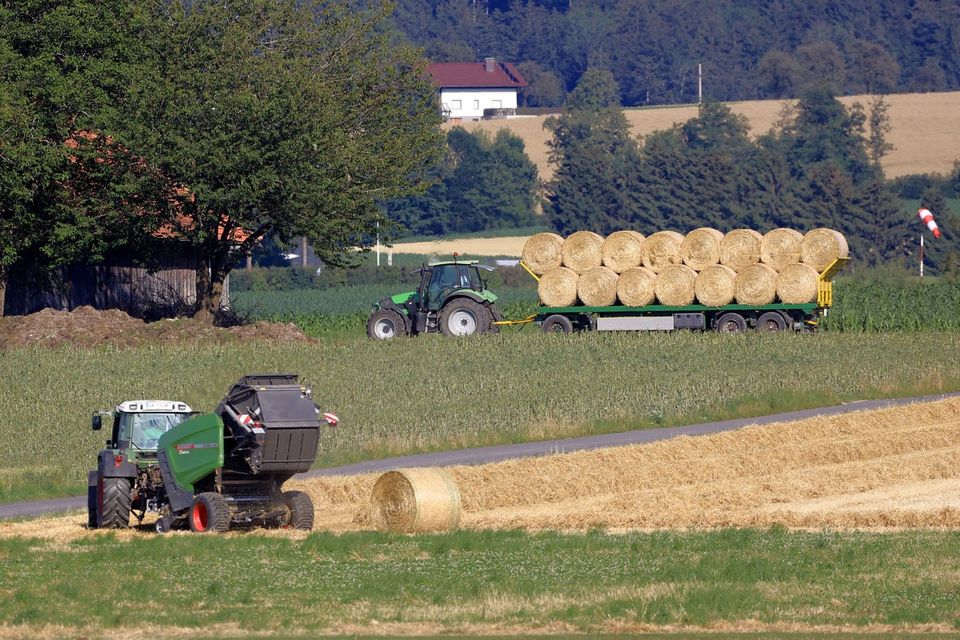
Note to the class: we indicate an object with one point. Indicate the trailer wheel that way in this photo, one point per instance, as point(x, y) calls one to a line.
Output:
point(210, 512)
point(731, 323)
point(113, 503)
point(557, 324)
point(464, 317)
point(771, 321)
point(301, 509)
point(385, 324)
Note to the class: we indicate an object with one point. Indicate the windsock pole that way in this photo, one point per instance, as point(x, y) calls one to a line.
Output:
point(921, 254)
point(927, 219)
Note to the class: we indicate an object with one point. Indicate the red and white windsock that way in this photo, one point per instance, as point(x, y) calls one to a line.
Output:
point(927, 218)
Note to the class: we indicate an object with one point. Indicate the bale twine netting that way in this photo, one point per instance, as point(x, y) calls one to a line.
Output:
point(780, 247)
point(676, 285)
point(797, 284)
point(701, 248)
point(415, 501)
point(622, 250)
point(822, 246)
point(757, 284)
point(582, 250)
point(558, 287)
point(636, 287)
point(661, 250)
point(716, 285)
point(541, 252)
point(740, 248)
point(597, 287)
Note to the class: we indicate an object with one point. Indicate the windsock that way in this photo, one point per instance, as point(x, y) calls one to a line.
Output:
point(927, 218)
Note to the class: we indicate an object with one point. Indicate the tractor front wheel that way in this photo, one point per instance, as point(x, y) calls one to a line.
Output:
point(464, 317)
point(113, 503)
point(301, 509)
point(210, 512)
point(385, 324)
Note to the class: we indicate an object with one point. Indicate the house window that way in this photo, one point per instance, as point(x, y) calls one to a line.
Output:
point(476, 105)
point(456, 105)
point(498, 104)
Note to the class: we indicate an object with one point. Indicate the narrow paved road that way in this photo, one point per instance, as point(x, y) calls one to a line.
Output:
point(483, 455)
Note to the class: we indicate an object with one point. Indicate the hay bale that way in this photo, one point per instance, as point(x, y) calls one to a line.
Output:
point(676, 285)
point(740, 248)
point(780, 247)
point(822, 246)
point(797, 284)
point(701, 248)
point(716, 285)
point(622, 250)
point(415, 500)
point(582, 250)
point(636, 287)
point(757, 284)
point(541, 252)
point(597, 287)
point(558, 287)
point(661, 250)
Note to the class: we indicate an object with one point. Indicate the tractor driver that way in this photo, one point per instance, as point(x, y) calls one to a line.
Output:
point(148, 428)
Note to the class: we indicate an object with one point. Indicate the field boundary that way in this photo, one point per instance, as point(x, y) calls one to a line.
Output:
point(499, 453)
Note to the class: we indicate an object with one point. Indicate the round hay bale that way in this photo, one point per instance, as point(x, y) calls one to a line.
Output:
point(582, 250)
point(822, 246)
point(415, 500)
point(780, 247)
point(676, 285)
point(757, 284)
point(558, 287)
point(701, 248)
point(622, 250)
point(597, 287)
point(716, 285)
point(740, 248)
point(636, 287)
point(541, 252)
point(797, 284)
point(661, 250)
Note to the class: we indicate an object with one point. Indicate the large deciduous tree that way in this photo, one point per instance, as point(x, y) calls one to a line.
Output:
point(289, 117)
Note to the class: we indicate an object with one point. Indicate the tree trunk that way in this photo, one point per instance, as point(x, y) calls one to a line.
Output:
point(209, 291)
point(3, 291)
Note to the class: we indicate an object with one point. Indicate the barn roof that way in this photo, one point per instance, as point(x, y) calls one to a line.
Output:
point(488, 74)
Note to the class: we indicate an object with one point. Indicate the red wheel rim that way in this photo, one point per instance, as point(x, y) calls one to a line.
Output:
point(199, 516)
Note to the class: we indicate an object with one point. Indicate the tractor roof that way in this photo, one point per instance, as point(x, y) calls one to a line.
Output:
point(154, 406)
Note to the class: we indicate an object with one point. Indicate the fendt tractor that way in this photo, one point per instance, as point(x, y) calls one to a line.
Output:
point(207, 472)
point(452, 298)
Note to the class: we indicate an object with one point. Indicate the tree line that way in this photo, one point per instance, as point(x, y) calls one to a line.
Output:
point(749, 49)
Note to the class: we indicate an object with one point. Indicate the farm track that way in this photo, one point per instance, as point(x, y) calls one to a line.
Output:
point(489, 455)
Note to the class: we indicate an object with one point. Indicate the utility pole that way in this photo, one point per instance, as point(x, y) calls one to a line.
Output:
point(700, 83)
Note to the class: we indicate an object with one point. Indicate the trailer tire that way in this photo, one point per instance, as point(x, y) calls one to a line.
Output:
point(113, 503)
point(209, 512)
point(384, 324)
point(301, 509)
point(557, 324)
point(464, 317)
point(731, 323)
point(772, 321)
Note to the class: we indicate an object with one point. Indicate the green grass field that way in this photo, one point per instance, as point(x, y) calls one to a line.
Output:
point(431, 393)
point(475, 582)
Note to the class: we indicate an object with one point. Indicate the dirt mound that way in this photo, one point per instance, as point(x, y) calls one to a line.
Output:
point(89, 327)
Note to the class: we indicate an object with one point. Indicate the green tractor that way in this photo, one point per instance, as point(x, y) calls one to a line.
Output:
point(452, 299)
point(208, 472)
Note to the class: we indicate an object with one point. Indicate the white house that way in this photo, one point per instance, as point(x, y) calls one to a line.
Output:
point(469, 88)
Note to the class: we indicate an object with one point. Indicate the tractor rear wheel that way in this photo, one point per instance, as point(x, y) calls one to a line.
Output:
point(92, 491)
point(210, 512)
point(113, 503)
point(385, 324)
point(464, 317)
point(301, 509)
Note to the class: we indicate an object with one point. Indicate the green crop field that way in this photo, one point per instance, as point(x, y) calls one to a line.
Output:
point(482, 582)
point(430, 393)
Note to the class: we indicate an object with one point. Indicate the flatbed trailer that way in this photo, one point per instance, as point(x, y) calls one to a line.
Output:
point(731, 318)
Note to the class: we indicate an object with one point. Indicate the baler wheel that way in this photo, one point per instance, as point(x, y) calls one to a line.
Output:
point(301, 509)
point(113, 503)
point(209, 512)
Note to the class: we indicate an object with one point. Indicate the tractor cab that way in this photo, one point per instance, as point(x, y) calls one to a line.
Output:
point(440, 280)
point(138, 424)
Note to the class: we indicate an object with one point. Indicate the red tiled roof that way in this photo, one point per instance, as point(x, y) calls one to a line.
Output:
point(447, 75)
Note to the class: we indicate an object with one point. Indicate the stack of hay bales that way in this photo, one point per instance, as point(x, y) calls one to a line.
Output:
point(705, 266)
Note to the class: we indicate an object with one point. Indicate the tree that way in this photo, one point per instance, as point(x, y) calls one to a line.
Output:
point(286, 117)
point(879, 127)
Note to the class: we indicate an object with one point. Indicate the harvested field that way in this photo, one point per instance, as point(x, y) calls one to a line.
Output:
point(888, 469)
